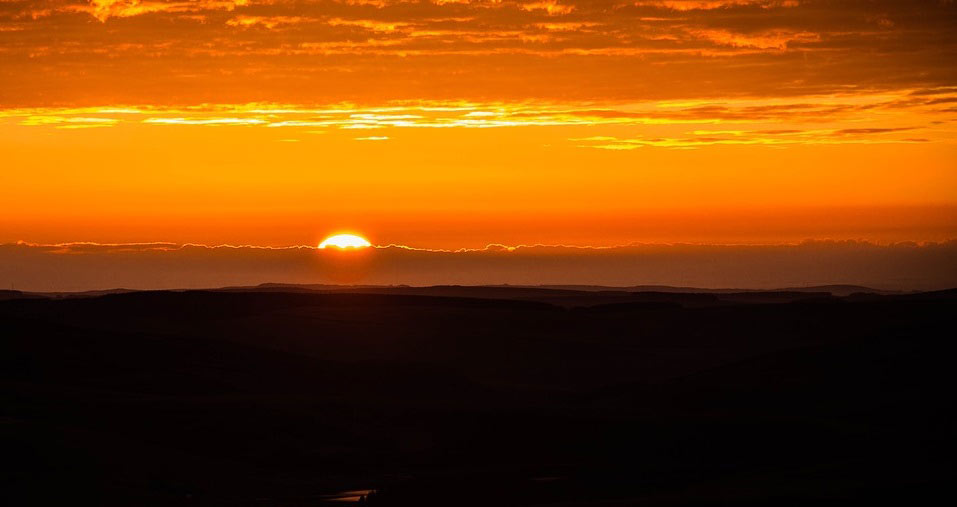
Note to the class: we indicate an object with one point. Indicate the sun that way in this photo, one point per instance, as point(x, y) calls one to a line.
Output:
point(345, 241)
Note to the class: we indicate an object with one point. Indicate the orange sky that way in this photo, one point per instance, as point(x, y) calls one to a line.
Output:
point(451, 124)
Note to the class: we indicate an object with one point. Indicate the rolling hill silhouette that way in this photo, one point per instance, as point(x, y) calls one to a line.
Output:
point(478, 396)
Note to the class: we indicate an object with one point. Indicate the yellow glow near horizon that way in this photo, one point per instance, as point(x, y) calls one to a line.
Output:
point(459, 124)
point(344, 241)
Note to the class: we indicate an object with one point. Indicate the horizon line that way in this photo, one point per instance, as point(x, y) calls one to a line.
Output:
point(546, 286)
point(490, 247)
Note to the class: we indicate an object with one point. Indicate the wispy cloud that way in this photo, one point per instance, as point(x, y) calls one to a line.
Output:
point(269, 22)
point(68, 122)
point(105, 9)
point(771, 138)
point(206, 121)
point(879, 118)
point(552, 7)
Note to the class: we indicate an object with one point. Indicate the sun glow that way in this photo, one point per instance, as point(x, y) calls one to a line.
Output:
point(345, 241)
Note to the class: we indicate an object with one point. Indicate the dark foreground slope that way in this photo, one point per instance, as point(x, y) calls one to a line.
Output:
point(274, 398)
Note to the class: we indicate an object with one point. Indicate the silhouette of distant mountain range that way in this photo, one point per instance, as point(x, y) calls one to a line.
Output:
point(585, 294)
point(837, 290)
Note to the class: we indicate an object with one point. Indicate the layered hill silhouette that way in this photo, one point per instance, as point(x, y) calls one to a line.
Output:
point(478, 396)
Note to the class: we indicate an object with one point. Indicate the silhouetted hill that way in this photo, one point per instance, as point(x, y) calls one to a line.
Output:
point(284, 397)
point(10, 294)
point(841, 290)
point(563, 295)
point(569, 296)
point(86, 293)
point(15, 294)
point(836, 290)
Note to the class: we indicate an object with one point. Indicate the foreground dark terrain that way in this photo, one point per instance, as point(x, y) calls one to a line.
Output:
point(478, 396)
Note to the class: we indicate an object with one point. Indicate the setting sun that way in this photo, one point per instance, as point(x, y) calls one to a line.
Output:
point(345, 241)
point(624, 244)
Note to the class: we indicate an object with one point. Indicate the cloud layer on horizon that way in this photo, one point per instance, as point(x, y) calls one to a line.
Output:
point(75, 267)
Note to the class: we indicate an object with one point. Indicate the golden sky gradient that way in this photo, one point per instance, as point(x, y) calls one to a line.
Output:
point(455, 124)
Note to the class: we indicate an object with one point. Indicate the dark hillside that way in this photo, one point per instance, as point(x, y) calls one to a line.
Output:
point(279, 398)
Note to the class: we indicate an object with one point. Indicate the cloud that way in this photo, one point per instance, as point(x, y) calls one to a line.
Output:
point(369, 24)
point(506, 49)
point(163, 265)
point(768, 122)
point(772, 39)
point(106, 9)
point(205, 121)
point(68, 122)
point(846, 132)
point(552, 7)
point(269, 22)
point(773, 138)
point(689, 5)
